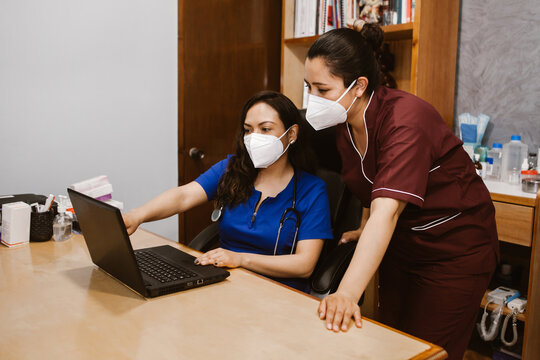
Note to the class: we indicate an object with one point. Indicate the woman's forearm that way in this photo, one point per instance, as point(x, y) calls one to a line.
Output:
point(171, 202)
point(299, 265)
point(371, 246)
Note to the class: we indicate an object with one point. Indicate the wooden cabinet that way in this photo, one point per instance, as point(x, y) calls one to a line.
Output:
point(425, 54)
point(517, 217)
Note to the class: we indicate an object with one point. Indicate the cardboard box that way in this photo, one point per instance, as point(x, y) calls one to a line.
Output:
point(15, 223)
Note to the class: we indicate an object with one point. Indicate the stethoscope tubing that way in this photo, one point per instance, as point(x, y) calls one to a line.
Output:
point(218, 213)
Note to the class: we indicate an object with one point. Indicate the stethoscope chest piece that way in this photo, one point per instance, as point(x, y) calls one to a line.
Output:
point(216, 214)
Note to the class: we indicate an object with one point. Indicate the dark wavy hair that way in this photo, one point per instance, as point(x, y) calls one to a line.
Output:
point(236, 185)
point(350, 54)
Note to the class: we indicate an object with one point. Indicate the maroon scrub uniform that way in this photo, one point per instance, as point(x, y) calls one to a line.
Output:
point(444, 248)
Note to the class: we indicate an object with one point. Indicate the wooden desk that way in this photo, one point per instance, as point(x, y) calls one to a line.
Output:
point(55, 304)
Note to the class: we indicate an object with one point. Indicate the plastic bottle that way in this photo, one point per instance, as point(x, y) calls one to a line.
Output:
point(62, 224)
point(513, 154)
point(477, 164)
point(488, 173)
point(496, 154)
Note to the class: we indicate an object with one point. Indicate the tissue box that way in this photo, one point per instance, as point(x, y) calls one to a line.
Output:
point(15, 223)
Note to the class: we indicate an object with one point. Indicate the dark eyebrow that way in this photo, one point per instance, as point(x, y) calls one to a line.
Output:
point(316, 83)
point(268, 121)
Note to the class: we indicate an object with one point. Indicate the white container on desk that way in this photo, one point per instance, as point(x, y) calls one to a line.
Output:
point(15, 223)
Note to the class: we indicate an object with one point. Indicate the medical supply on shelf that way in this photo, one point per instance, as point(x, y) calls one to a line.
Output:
point(517, 305)
point(489, 169)
point(514, 152)
point(15, 223)
point(530, 185)
point(528, 174)
point(496, 154)
point(477, 164)
point(533, 161)
point(472, 128)
point(501, 296)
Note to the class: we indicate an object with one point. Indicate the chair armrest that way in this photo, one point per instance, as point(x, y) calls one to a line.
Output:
point(328, 276)
point(207, 239)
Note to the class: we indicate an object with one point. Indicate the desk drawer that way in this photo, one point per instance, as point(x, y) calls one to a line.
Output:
point(514, 223)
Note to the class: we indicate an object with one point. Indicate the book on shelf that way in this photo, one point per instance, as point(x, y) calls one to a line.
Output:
point(315, 17)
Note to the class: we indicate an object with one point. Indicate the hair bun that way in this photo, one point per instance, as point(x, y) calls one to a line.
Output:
point(373, 34)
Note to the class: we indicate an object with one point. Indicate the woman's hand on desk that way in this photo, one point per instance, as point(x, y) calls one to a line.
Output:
point(338, 309)
point(221, 258)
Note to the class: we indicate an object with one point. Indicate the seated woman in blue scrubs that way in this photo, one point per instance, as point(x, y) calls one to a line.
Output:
point(273, 215)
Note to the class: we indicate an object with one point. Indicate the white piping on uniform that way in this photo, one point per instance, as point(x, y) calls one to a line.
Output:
point(367, 139)
point(399, 191)
point(435, 168)
point(435, 222)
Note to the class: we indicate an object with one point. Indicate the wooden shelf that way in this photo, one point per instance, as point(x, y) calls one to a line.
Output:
point(424, 50)
point(492, 307)
point(308, 40)
point(391, 32)
point(398, 32)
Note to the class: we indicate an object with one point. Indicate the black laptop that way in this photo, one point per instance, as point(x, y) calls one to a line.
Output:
point(152, 271)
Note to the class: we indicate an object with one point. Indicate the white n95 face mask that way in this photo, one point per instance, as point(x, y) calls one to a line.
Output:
point(264, 150)
point(323, 113)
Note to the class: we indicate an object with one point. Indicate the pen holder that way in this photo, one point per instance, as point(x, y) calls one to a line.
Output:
point(41, 225)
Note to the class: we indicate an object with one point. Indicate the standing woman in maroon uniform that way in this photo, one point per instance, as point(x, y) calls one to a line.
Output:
point(431, 224)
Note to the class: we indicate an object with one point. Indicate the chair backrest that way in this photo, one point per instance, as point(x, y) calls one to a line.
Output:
point(207, 239)
point(345, 210)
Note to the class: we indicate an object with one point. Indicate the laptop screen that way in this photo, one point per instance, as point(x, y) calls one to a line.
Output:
point(107, 239)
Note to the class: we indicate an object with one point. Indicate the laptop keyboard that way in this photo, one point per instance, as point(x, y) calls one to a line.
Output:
point(158, 269)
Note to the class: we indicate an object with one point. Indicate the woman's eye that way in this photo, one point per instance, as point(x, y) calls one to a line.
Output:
point(322, 91)
point(266, 129)
point(246, 131)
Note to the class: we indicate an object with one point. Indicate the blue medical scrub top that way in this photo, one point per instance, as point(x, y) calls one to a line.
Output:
point(242, 230)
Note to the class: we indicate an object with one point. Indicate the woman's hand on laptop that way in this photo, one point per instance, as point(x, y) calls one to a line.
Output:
point(220, 258)
point(131, 222)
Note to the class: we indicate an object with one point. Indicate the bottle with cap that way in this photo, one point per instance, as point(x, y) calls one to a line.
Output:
point(62, 224)
point(477, 164)
point(496, 154)
point(514, 152)
point(488, 173)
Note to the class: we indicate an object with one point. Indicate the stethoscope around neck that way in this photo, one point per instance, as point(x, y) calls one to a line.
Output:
point(286, 215)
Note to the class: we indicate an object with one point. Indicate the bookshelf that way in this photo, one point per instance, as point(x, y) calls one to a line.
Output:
point(425, 54)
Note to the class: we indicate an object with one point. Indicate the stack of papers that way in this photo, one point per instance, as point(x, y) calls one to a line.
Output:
point(99, 188)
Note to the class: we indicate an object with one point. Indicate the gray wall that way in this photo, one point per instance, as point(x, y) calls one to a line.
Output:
point(499, 67)
point(89, 88)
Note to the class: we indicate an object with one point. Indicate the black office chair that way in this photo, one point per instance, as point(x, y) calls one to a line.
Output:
point(207, 239)
point(346, 215)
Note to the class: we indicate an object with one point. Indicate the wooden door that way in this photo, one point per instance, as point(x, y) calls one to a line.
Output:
point(228, 50)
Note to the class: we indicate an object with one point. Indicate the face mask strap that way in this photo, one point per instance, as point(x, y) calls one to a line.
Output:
point(341, 97)
point(346, 91)
point(286, 131)
point(351, 104)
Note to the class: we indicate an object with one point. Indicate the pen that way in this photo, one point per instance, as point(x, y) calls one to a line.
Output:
point(48, 203)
